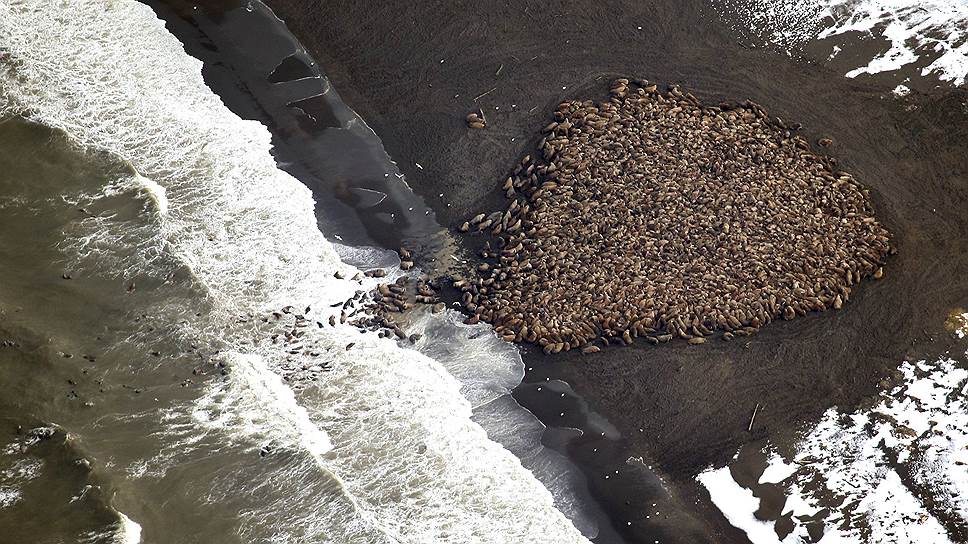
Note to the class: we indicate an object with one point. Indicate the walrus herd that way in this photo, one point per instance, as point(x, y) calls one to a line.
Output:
point(650, 215)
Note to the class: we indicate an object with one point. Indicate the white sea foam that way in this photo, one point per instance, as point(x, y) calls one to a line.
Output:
point(125, 531)
point(931, 34)
point(156, 192)
point(261, 402)
point(18, 471)
point(128, 532)
point(9, 496)
point(387, 428)
point(486, 366)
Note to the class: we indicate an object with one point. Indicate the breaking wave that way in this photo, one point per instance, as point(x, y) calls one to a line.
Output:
point(382, 447)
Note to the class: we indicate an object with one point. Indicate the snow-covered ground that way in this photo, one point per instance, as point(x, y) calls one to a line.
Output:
point(895, 473)
point(929, 34)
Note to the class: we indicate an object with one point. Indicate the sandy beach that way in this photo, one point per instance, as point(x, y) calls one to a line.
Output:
point(415, 75)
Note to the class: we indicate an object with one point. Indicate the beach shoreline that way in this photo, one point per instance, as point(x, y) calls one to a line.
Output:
point(679, 408)
point(414, 79)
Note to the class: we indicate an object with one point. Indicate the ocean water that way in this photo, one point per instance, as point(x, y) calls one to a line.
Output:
point(153, 237)
point(910, 39)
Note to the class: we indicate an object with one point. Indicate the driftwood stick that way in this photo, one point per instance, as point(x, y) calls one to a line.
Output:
point(482, 95)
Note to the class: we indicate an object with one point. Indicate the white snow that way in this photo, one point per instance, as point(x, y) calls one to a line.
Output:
point(875, 464)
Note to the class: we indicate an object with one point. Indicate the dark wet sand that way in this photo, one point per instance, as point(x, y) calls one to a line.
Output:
point(413, 73)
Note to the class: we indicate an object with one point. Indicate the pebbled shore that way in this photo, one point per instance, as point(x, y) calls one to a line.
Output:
point(414, 78)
